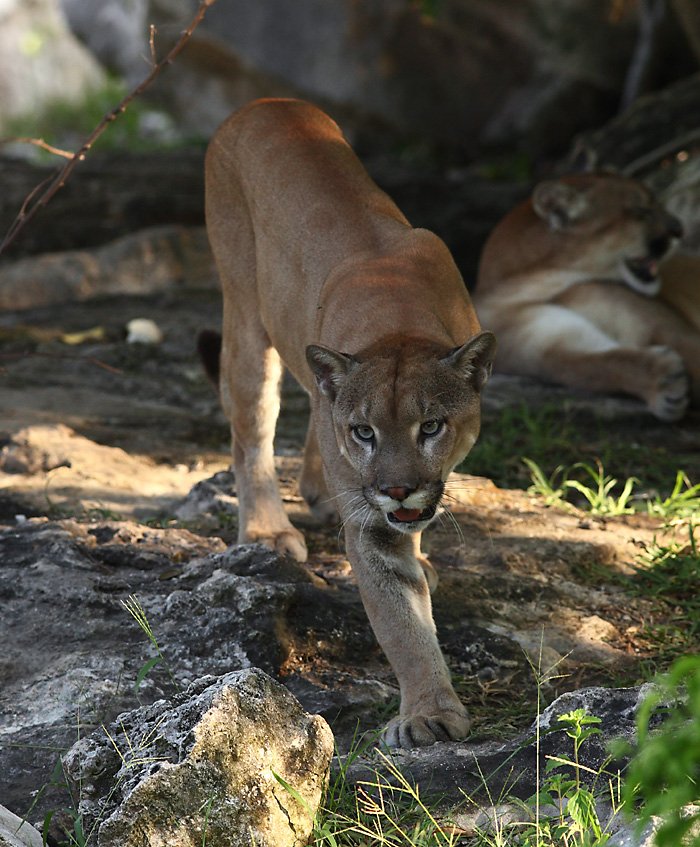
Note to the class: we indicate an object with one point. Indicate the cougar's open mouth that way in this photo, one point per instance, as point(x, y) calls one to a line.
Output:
point(645, 269)
point(405, 516)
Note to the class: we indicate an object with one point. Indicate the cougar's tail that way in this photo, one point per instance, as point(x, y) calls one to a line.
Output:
point(209, 349)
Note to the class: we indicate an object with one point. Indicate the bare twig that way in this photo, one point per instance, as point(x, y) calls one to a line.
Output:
point(50, 187)
point(38, 142)
point(152, 44)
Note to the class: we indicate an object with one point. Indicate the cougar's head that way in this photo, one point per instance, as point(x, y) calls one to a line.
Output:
point(403, 417)
point(608, 227)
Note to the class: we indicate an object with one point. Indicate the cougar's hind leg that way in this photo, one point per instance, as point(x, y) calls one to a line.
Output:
point(250, 391)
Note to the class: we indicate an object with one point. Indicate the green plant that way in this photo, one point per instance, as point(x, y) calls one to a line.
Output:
point(386, 810)
point(682, 502)
point(67, 122)
point(552, 489)
point(663, 777)
point(600, 497)
point(576, 820)
point(670, 572)
point(601, 494)
point(133, 606)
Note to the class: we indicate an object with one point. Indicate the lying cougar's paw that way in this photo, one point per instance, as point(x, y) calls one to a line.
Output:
point(422, 730)
point(288, 542)
point(671, 387)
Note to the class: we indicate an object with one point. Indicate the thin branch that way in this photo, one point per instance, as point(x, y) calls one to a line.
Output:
point(55, 183)
point(38, 142)
point(152, 44)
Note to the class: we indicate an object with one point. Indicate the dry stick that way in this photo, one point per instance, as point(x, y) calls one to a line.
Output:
point(39, 142)
point(29, 210)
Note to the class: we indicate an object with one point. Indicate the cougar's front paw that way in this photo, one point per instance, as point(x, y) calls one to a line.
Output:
point(288, 542)
point(420, 730)
point(671, 388)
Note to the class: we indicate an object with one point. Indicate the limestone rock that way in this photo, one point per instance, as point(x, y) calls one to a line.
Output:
point(40, 60)
point(467, 74)
point(206, 765)
point(148, 261)
point(15, 832)
point(214, 495)
point(452, 770)
point(116, 31)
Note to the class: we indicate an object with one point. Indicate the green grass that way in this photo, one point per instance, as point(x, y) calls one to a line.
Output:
point(668, 572)
point(590, 487)
point(554, 435)
point(387, 809)
point(384, 810)
point(546, 433)
point(66, 123)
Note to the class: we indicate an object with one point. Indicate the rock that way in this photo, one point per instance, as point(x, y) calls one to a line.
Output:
point(457, 78)
point(77, 653)
point(110, 195)
point(451, 771)
point(116, 31)
point(204, 767)
point(151, 260)
point(212, 496)
point(41, 62)
point(143, 331)
point(29, 451)
point(15, 832)
point(80, 476)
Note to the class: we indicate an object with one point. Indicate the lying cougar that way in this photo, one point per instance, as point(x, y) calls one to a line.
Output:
point(321, 271)
point(569, 280)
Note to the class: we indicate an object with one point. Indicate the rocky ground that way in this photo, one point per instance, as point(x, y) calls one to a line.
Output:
point(102, 441)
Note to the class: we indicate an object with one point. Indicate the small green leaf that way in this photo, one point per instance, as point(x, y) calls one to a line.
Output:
point(45, 827)
point(145, 670)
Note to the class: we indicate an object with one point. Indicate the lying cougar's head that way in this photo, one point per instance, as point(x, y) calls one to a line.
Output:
point(403, 416)
point(608, 227)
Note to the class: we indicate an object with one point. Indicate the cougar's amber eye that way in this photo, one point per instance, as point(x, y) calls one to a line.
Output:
point(363, 432)
point(429, 428)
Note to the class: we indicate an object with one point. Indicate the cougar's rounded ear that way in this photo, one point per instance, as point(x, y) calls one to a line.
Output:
point(329, 368)
point(558, 203)
point(474, 360)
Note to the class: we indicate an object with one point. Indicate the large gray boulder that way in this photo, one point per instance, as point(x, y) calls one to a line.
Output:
point(116, 31)
point(41, 61)
point(211, 766)
point(15, 832)
point(469, 74)
point(145, 262)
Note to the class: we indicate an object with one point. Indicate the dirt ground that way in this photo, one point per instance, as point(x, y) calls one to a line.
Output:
point(105, 430)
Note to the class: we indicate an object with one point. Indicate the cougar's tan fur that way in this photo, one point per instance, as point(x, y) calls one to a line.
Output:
point(571, 282)
point(321, 271)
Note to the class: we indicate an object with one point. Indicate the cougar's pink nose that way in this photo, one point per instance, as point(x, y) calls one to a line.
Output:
point(398, 492)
